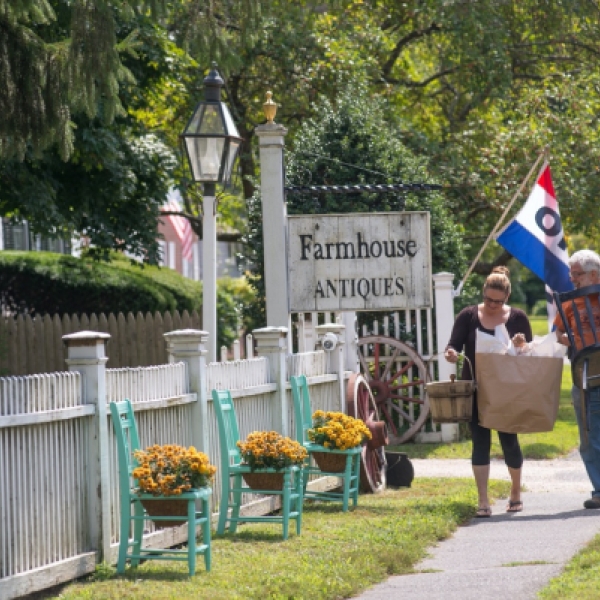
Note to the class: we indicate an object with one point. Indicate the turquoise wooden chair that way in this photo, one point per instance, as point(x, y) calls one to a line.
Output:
point(303, 422)
point(232, 470)
point(127, 443)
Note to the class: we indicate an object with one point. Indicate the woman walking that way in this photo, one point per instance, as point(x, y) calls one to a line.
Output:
point(491, 312)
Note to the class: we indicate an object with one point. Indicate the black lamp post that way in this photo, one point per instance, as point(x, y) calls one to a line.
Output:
point(211, 142)
point(211, 138)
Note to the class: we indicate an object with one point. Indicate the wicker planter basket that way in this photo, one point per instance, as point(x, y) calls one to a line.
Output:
point(166, 508)
point(261, 481)
point(332, 463)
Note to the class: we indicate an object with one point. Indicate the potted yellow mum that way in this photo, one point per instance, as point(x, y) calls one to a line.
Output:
point(170, 470)
point(266, 453)
point(336, 431)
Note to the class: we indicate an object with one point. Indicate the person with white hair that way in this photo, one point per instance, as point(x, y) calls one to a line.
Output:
point(584, 270)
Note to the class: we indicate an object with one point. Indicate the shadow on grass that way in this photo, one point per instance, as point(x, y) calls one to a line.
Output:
point(566, 414)
point(417, 450)
point(247, 533)
point(159, 573)
point(540, 450)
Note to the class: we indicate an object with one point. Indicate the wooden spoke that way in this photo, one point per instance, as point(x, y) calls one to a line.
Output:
point(386, 363)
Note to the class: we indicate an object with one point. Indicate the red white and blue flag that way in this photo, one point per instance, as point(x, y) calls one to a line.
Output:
point(536, 239)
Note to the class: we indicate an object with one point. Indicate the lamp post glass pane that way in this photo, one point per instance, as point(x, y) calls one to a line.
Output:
point(210, 122)
point(229, 124)
point(205, 155)
point(234, 146)
point(210, 141)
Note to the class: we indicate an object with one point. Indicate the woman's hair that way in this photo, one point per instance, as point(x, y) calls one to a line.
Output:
point(498, 279)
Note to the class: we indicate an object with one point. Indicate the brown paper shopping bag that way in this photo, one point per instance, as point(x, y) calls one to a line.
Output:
point(518, 394)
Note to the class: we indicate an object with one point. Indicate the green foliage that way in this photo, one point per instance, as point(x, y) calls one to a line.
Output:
point(62, 58)
point(103, 572)
point(540, 308)
point(478, 89)
point(353, 141)
point(111, 191)
point(241, 293)
point(47, 283)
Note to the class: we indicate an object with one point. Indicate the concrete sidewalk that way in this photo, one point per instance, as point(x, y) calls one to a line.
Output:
point(508, 555)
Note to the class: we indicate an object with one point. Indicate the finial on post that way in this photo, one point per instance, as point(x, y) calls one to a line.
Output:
point(270, 108)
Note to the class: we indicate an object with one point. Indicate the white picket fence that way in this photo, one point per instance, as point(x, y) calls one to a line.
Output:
point(59, 510)
point(53, 525)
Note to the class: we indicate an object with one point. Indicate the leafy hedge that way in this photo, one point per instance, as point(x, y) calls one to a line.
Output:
point(43, 283)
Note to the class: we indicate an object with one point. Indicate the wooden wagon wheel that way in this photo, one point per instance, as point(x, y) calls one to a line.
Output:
point(361, 404)
point(397, 376)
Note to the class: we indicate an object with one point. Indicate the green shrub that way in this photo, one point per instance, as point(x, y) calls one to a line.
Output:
point(47, 283)
point(41, 283)
point(540, 309)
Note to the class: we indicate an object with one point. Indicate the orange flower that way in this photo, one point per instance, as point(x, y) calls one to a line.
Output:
point(171, 470)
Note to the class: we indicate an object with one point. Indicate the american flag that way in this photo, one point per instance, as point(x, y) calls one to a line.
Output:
point(182, 226)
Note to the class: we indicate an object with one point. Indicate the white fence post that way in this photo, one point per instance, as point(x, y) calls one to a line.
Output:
point(86, 354)
point(249, 346)
point(272, 342)
point(335, 355)
point(444, 320)
point(189, 346)
point(271, 142)
point(348, 318)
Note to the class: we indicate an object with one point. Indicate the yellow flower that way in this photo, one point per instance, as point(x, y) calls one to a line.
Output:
point(337, 430)
point(269, 449)
point(171, 470)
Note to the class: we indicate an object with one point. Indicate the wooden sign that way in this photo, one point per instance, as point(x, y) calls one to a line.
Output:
point(359, 261)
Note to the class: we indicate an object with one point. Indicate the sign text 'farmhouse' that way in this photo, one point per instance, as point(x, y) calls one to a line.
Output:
point(373, 261)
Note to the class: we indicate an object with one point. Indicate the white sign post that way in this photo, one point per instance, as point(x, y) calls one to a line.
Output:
point(349, 262)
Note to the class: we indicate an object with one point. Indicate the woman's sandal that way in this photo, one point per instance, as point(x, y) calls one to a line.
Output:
point(514, 506)
point(483, 513)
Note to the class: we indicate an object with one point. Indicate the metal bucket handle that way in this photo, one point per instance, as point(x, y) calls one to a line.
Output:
point(453, 376)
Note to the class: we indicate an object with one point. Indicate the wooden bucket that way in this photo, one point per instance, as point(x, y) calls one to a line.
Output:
point(451, 401)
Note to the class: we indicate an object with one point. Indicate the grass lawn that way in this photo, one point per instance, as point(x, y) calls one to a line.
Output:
point(336, 556)
point(539, 325)
point(581, 578)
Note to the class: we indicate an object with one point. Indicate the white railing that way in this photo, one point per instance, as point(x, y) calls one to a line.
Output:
point(239, 374)
point(39, 393)
point(59, 509)
point(308, 363)
point(143, 384)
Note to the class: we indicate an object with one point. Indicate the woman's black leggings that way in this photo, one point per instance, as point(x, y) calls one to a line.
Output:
point(482, 443)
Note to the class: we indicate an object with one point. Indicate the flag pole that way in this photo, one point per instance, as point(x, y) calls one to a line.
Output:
point(458, 290)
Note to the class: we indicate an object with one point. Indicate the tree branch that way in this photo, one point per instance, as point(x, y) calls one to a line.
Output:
point(425, 82)
point(405, 41)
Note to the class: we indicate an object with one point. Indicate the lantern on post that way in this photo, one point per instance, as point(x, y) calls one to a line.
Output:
point(211, 138)
point(211, 142)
